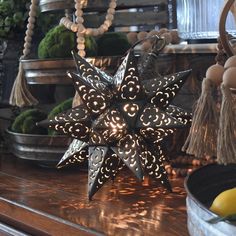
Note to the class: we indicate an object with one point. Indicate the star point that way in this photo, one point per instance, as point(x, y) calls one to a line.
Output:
point(121, 120)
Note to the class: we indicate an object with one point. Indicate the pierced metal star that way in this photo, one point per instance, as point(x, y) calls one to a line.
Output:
point(122, 121)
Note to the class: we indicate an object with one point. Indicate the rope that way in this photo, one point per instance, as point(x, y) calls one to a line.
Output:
point(20, 94)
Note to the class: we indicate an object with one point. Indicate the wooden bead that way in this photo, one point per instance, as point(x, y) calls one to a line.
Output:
point(175, 36)
point(79, 19)
point(104, 27)
point(73, 27)
point(231, 62)
point(78, 12)
point(146, 46)
point(101, 30)
point(26, 51)
point(28, 39)
point(95, 32)
point(163, 30)
point(107, 23)
point(111, 11)
point(31, 20)
point(80, 39)
point(81, 29)
point(29, 33)
point(167, 37)
point(132, 37)
point(229, 77)
point(112, 5)
point(82, 53)
point(88, 31)
point(152, 33)
point(109, 17)
point(215, 73)
point(81, 46)
point(32, 13)
point(142, 35)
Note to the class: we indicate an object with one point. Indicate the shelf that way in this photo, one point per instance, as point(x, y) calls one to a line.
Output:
point(52, 5)
point(208, 48)
point(39, 71)
point(156, 12)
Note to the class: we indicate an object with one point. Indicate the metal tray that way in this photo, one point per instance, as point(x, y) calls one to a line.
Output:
point(54, 71)
point(54, 5)
point(43, 149)
point(202, 186)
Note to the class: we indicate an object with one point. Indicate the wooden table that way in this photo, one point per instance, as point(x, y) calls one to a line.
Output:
point(43, 201)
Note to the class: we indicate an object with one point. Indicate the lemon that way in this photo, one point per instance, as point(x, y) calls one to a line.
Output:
point(225, 203)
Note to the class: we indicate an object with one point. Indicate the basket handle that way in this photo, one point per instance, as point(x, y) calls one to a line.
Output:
point(223, 34)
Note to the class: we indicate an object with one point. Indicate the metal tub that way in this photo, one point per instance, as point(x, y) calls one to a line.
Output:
point(43, 149)
point(202, 186)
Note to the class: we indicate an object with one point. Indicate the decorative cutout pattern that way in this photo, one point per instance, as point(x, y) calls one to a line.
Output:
point(122, 122)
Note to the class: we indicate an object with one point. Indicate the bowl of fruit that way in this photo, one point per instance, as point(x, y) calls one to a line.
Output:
point(211, 200)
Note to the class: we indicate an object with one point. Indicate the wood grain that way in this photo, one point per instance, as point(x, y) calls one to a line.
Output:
point(55, 202)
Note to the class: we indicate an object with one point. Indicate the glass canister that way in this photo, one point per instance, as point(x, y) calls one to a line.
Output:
point(199, 19)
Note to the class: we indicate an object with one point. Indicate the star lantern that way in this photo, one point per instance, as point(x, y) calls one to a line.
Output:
point(122, 121)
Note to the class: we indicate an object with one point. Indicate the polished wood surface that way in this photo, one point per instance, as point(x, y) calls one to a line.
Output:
point(44, 201)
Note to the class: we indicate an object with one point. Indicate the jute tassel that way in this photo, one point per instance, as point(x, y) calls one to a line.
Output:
point(20, 94)
point(202, 137)
point(226, 143)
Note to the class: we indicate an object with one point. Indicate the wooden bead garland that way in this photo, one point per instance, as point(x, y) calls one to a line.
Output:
point(171, 36)
point(80, 29)
point(182, 165)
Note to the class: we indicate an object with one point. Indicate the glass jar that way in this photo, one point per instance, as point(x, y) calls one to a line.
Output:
point(199, 19)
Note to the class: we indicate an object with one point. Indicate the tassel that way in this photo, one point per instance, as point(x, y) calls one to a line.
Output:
point(226, 143)
point(202, 137)
point(20, 94)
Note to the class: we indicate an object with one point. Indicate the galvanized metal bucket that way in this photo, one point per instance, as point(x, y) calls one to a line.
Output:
point(202, 186)
point(44, 149)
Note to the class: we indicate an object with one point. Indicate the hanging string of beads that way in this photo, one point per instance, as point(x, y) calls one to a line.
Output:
point(20, 94)
point(182, 165)
point(170, 36)
point(81, 30)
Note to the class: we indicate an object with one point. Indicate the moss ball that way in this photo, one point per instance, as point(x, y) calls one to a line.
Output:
point(25, 122)
point(90, 46)
point(57, 43)
point(61, 107)
point(113, 44)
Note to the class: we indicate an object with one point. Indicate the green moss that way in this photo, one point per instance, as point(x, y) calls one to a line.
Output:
point(57, 43)
point(112, 44)
point(90, 46)
point(29, 126)
point(26, 122)
point(66, 105)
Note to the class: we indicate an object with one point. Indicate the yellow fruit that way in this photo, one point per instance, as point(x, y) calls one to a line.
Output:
point(225, 203)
